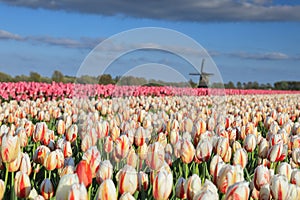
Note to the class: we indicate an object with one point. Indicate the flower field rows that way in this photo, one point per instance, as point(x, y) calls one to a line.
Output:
point(147, 143)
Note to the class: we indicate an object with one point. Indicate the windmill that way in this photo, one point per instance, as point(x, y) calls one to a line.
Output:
point(204, 76)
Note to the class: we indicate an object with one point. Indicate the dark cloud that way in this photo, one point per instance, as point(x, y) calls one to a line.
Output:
point(175, 10)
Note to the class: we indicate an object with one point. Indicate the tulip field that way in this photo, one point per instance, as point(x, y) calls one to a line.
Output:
point(75, 141)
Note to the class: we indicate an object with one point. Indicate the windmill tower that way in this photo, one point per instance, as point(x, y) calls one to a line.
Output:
point(204, 76)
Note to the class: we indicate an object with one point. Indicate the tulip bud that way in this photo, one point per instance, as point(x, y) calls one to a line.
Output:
point(295, 177)
point(22, 185)
point(25, 164)
point(50, 161)
point(61, 127)
point(143, 181)
point(71, 134)
point(132, 158)
point(240, 157)
point(276, 153)
point(239, 190)
point(155, 156)
point(10, 148)
point(126, 196)
point(47, 189)
point(215, 166)
point(261, 176)
point(250, 142)
point(229, 175)
point(107, 190)
point(15, 165)
point(180, 193)
point(187, 151)
point(104, 172)
point(162, 185)
point(140, 136)
point(192, 186)
point(204, 150)
point(127, 179)
point(78, 191)
point(84, 173)
point(86, 142)
point(64, 186)
point(279, 187)
point(263, 148)
point(122, 147)
point(285, 169)
point(222, 146)
point(108, 145)
point(39, 132)
point(296, 156)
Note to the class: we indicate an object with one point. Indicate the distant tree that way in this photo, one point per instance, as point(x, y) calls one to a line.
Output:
point(35, 77)
point(255, 85)
point(19, 78)
point(282, 85)
point(5, 77)
point(105, 79)
point(57, 76)
point(239, 85)
point(230, 84)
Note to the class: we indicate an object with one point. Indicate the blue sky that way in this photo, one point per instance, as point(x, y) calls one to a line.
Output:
point(248, 40)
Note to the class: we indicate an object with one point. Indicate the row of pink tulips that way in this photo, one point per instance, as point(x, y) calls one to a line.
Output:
point(32, 90)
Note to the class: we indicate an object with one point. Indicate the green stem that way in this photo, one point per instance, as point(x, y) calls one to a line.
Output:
point(6, 175)
point(49, 175)
point(12, 189)
point(186, 170)
point(96, 195)
point(90, 191)
point(247, 174)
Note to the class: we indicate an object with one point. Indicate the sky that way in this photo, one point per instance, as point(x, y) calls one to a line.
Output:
point(248, 40)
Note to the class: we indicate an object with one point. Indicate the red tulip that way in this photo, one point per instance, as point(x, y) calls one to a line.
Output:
point(22, 185)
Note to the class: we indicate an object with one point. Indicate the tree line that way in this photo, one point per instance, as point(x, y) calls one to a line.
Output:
point(106, 79)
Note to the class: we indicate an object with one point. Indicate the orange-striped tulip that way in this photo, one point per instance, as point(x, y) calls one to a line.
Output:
point(143, 181)
point(250, 142)
point(47, 189)
point(295, 177)
point(140, 136)
point(264, 192)
point(155, 156)
point(104, 172)
point(187, 151)
point(78, 192)
point(238, 191)
point(240, 157)
point(228, 176)
point(107, 190)
point(127, 179)
point(285, 169)
point(40, 131)
point(84, 173)
point(162, 185)
point(216, 165)
point(108, 145)
point(279, 186)
point(40, 154)
point(10, 148)
point(261, 176)
point(263, 148)
point(204, 150)
point(15, 165)
point(22, 185)
point(122, 147)
point(61, 127)
point(126, 196)
point(276, 153)
point(25, 164)
point(192, 186)
point(222, 146)
point(71, 133)
point(50, 161)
